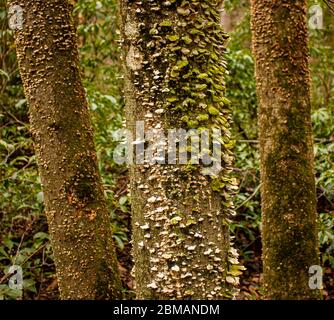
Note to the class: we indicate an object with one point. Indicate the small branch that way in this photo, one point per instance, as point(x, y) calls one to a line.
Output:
point(330, 4)
point(7, 275)
point(249, 198)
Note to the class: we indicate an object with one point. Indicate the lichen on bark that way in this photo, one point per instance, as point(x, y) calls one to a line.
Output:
point(75, 206)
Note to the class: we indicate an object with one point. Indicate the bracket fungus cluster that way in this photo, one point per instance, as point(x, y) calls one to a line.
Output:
point(175, 79)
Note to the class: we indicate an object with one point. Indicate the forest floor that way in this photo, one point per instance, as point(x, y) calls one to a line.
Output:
point(250, 282)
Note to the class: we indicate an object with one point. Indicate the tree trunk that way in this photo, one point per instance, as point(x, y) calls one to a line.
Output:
point(289, 222)
point(60, 124)
point(174, 78)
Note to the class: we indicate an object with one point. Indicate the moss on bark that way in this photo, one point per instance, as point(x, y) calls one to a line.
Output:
point(289, 233)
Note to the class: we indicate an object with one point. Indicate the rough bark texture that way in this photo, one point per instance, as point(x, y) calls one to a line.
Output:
point(174, 78)
point(289, 232)
point(60, 124)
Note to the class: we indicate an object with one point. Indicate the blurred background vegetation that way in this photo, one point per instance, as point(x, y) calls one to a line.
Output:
point(24, 238)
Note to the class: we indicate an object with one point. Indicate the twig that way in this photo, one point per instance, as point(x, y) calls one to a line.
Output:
point(253, 194)
point(329, 4)
point(7, 275)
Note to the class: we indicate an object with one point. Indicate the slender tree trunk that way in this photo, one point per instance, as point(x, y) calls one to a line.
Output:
point(289, 227)
point(60, 124)
point(174, 78)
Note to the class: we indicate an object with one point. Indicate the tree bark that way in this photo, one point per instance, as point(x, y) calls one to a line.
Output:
point(289, 222)
point(75, 205)
point(174, 78)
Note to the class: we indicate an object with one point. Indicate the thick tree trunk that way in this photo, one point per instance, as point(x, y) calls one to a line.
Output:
point(174, 78)
point(60, 124)
point(289, 234)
